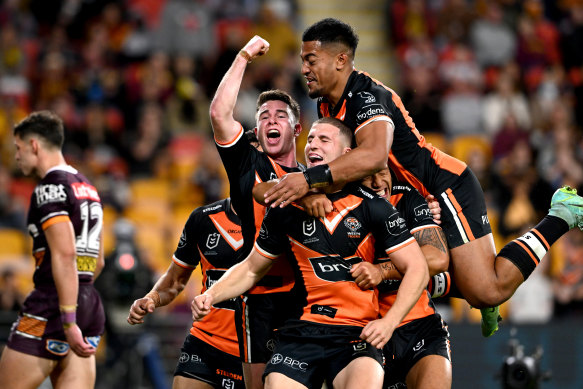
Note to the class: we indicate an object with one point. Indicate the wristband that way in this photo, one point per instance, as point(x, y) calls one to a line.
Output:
point(68, 308)
point(68, 319)
point(245, 55)
point(155, 296)
point(318, 176)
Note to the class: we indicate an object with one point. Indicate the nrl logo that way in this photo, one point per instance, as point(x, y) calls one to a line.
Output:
point(309, 227)
point(213, 240)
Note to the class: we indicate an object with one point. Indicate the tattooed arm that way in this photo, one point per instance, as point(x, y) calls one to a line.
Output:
point(434, 247)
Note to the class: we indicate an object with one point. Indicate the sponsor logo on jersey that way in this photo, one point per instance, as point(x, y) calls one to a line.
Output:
point(272, 176)
point(395, 225)
point(32, 230)
point(212, 208)
point(82, 190)
point(293, 363)
point(368, 97)
point(185, 358)
point(401, 188)
point(57, 347)
point(225, 373)
point(333, 269)
point(263, 234)
point(365, 193)
point(309, 227)
point(485, 219)
point(370, 111)
point(50, 193)
point(213, 240)
point(421, 211)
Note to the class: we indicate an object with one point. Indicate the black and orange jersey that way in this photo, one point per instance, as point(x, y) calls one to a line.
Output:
point(65, 195)
point(212, 237)
point(414, 209)
point(322, 251)
point(366, 100)
point(246, 167)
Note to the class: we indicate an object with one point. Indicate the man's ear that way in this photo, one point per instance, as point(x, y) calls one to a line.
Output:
point(255, 131)
point(297, 129)
point(342, 60)
point(34, 145)
point(346, 150)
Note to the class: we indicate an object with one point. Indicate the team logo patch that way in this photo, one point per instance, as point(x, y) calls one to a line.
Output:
point(228, 383)
point(57, 347)
point(360, 346)
point(419, 345)
point(309, 227)
point(368, 97)
point(353, 225)
point(213, 240)
point(93, 340)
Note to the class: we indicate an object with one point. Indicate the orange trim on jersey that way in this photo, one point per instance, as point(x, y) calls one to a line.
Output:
point(264, 253)
point(231, 141)
point(366, 249)
point(373, 119)
point(421, 309)
point(342, 113)
point(55, 220)
point(405, 175)
point(400, 246)
point(424, 228)
point(527, 251)
point(230, 231)
point(246, 351)
point(461, 215)
point(340, 209)
point(396, 198)
point(448, 283)
point(175, 261)
point(325, 110)
point(542, 238)
point(278, 169)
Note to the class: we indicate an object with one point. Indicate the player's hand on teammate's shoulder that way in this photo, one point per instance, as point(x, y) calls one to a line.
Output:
point(201, 306)
point(77, 343)
point(256, 47)
point(434, 208)
point(290, 187)
point(140, 308)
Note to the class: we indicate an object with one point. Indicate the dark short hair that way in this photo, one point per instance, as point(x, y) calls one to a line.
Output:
point(44, 124)
point(277, 94)
point(251, 137)
point(332, 30)
point(343, 129)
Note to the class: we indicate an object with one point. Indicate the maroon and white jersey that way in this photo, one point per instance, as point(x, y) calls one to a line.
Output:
point(64, 195)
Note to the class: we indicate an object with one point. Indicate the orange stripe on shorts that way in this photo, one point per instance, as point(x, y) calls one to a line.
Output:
point(31, 326)
point(461, 215)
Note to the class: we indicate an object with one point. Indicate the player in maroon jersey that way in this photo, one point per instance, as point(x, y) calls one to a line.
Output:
point(334, 332)
point(62, 320)
point(382, 127)
point(277, 120)
point(210, 355)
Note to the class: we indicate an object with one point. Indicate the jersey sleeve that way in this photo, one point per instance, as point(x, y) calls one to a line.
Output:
point(414, 209)
point(370, 106)
point(388, 227)
point(52, 201)
point(187, 254)
point(237, 155)
point(271, 240)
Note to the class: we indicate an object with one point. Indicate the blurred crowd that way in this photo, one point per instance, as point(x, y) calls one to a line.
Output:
point(497, 83)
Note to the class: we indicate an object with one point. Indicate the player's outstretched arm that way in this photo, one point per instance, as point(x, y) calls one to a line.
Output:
point(315, 204)
point(236, 281)
point(223, 104)
point(61, 240)
point(163, 293)
point(374, 142)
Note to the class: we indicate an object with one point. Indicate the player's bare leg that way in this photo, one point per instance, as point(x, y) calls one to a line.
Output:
point(432, 371)
point(253, 373)
point(363, 372)
point(74, 372)
point(23, 371)
point(278, 380)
